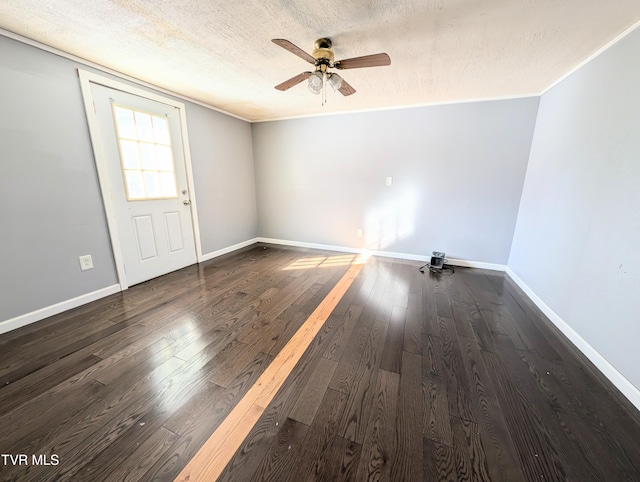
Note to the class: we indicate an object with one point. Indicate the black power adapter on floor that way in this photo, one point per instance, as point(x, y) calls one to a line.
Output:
point(436, 264)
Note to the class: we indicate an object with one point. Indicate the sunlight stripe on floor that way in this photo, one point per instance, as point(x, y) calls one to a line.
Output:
point(209, 462)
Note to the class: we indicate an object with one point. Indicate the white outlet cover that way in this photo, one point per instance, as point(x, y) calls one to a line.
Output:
point(359, 233)
point(86, 262)
point(389, 180)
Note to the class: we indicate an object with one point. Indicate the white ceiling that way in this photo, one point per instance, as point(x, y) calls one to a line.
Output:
point(221, 53)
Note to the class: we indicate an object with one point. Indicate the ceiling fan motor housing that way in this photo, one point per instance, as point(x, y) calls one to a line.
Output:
point(323, 50)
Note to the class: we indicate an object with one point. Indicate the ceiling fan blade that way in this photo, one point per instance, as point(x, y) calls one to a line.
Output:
point(287, 84)
point(294, 49)
point(346, 89)
point(375, 60)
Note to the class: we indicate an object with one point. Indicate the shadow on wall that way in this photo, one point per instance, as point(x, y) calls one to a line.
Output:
point(390, 222)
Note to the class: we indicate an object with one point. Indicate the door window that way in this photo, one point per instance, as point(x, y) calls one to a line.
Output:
point(146, 156)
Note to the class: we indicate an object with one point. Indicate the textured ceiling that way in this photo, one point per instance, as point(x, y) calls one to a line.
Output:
point(220, 53)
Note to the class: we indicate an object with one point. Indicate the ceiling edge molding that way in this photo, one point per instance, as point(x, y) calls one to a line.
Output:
point(591, 57)
point(102, 68)
point(402, 107)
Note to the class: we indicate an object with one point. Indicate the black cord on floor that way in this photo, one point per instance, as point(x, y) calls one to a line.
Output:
point(447, 269)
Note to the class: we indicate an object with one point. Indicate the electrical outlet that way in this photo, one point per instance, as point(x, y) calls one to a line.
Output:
point(86, 262)
point(360, 233)
point(389, 180)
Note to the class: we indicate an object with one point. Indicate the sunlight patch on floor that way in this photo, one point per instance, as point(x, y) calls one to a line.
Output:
point(326, 262)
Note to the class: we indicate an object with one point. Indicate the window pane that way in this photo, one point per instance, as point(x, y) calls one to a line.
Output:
point(165, 159)
point(135, 185)
point(148, 157)
point(151, 183)
point(168, 184)
point(125, 123)
point(161, 130)
point(129, 152)
point(144, 126)
point(145, 150)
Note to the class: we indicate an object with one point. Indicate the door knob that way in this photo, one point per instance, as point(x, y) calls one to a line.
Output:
point(186, 202)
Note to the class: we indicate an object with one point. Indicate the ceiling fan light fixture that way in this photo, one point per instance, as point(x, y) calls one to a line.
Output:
point(315, 82)
point(335, 81)
point(322, 59)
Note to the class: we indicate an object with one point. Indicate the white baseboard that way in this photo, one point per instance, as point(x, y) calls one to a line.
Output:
point(476, 264)
point(627, 388)
point(228, 249)
point(387, 254)
point(301, 244)
point(48, 311)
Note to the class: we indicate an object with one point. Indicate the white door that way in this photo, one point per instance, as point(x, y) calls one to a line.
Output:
point(141, 140)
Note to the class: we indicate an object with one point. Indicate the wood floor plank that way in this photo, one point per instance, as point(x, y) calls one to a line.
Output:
point(344, 456)
point(394, 342)
point(354, 420)
point(465, 312)
point(340, 339)
point(471, 462)
point(498, 445)
point(305, 408)
point(350, 360)
point(437, 423)
point(458, 393)
point(277, 339)
point(280, 460)
point(407, 459)
point(227, 365)
point(413, 324)
point(134, 466)
point(443, 306)
point(184, 418)
point(433, 359)
point(439, 462)
point(378, 447)
point(312, 460)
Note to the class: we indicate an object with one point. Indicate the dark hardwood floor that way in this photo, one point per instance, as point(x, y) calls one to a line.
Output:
point(413, 377)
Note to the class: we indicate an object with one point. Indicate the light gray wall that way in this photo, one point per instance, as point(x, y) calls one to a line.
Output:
point(222, 156)
point(50, 206)
point(577, 240)
point(457, 175)
point(51, 209)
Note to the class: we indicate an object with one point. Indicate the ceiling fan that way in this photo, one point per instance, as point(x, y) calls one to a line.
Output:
point(322, 59)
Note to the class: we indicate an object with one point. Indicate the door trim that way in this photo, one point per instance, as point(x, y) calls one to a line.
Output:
point(88, 78)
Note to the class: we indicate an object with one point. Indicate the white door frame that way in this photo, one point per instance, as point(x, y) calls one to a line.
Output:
point(86, 79)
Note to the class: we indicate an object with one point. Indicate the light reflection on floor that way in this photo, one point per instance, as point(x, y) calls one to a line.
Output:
point(174, 372)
